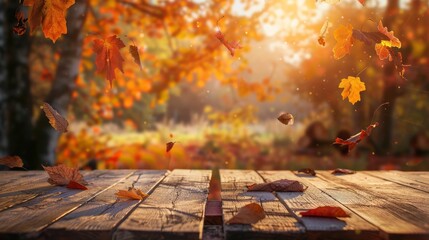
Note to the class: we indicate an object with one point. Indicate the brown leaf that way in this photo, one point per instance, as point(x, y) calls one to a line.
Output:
point(134, 51)
point(249, 214)
point(325, 211)
point(283, 185)
point(75, 185)
point(308, 171)
point(21, 26)
point(352, 141)
point(61, 175)
point(286, 118)
point(169, 146)
point(57, 121)
point(342, 171)
point(11, 161)
point(131, 193)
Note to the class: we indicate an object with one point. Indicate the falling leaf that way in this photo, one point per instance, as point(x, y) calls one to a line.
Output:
point(231, 46)
point(62, 175)
point(355, 139)
point(169, 146)
point(134, 51)
point(108, 56)
point(283, 185)
point(325, 211)
point(12, 161)
point(131, 193)
point(51, 14)
point(21, 26)
point(171, 135)
point(342, 171)
point(249, 214)
point(323, 32)
point(75, 185)
point(286, 118)
point(352, 86)
point(308, 171)
point(344, 37)
point(362, 2)
point(57, 121)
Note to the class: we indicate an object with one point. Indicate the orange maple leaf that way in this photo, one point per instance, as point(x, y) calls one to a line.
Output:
point(51, 14)
point(132, 193)
point(62, 175)
point(108, 56)
point(344, 36)
point(325, 211)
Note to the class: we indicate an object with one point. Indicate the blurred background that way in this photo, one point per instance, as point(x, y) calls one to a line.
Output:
point(221, 111)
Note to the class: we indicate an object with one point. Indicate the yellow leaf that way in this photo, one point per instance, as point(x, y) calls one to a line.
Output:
point(352, 88)
point(132, 193)
point(343, 35)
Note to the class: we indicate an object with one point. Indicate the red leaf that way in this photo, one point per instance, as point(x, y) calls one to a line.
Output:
point(169, 146)
point(325, 211)
point(355, 139)
point(11, 161)
point(342, 171)
point(75, 185)
point(231, 46)
point(283, 185)
point(108, 56)
point(249, 214)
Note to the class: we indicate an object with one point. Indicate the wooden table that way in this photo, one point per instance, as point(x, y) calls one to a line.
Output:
point(383, 205)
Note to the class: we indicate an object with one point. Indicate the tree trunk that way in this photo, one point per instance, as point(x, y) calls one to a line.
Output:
point(3, 79)
point(64, 82)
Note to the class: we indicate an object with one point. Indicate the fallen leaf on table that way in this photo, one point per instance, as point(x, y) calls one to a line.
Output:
point(131, 193)
point(75, 185)
point(51, 14)
point(62, 175)
point(352, 141)
point(352, 86)
point(308, 171)
point(108, 56)
point(286, 118)
point(249, 214)
point(283, 185)
point(11, 161)
point(342, 171)
point(231, 46)
point(169, 146)
point(57, 121)
point(325, 211)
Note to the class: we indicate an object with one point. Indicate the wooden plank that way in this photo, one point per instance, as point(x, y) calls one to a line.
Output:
point(321, 228)
point(174, 210)
point(279, 222)
point(213, 232)
point(213, 213)
point(18, 187)
point(410, 180)
point(27, 219)
point(97, 218)
point(396, 216)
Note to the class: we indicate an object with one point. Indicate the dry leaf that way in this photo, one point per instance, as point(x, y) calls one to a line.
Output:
point(62, 175)
point(51, 14)
point(342, 171)
point(11, 161)
point(325, 211)
point(355, 139)
point(286, 118)
point(344, 36)
point(249, 214)
point(21, 26)
point(283, 185)
point(308, 171)
point(169, 146)
point(108, 56)
point(131, 193)
point(323, 32)
point(231, 46)
point(352, 86)
point(134, 51)
point(57, 121)
point(75, 185)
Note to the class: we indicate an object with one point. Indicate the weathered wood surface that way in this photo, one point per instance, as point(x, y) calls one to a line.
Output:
point(100, 216)
point(316, 227)
point(29, 218)
point(175, 209)
point(413, 180)
point(279, 222)
point(398, 211)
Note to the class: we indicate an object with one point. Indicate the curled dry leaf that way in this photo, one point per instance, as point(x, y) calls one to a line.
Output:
point(249, 214)
point(131, 193)
point(355, 139)
point(57, 121)
point(169, 146)
point(21, 26)
point(308, 171)
point(75, 185)
point(286, 118)
point(342, 171)
point(11, 161)
point(231, 46)
point(352, 86)
point(325, 211)
point(283, 185)
point(62, 175)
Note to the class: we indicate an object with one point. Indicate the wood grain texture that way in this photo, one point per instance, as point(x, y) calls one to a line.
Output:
point(399, 212)
point(29, 218)
point(175, 209)
point(278, 224)
point(317, 227)
point(98, 218)
point(413, 180)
